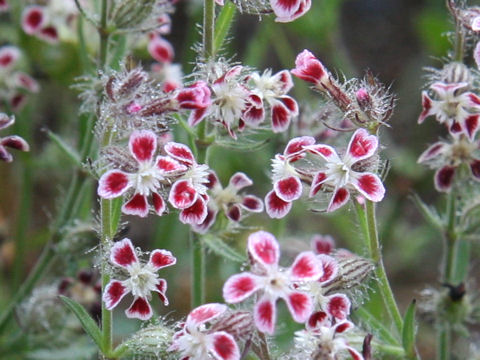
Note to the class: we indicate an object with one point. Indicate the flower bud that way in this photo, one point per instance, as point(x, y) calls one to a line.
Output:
point(309, 68)
point(131, 13)
point(194, 97)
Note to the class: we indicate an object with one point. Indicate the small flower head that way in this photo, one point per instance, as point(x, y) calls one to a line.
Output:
point(142, 279)
point(273, 282)
point(198, 339)
point(342, 174)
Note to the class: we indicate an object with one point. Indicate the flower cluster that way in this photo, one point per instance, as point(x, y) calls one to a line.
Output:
point(145, 174)
point(142, 279)
point(241, 98)
point(12, 141)
point(455, 105)
point(47, 19)
point(14, 84)
point(338, 175)
point(228, 200)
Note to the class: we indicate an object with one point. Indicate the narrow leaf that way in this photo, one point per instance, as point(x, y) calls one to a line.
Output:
point(375, 326)
point(88, 324)
point(429, 213)
point(223, 23)
point(66, 149)
point(219, 247)
point(408, 331)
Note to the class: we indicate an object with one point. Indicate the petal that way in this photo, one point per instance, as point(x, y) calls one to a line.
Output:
point(280, 117)
point(159, 204)
point(205, 225)
point(316, 320)
point(182, 194)
point(444, 178)
point(339, 198)
point(322, 244)
point(161, 50)
point(213, 181)
point(194, 214)
point(180, 152)
point(300, 306)
point(285, 8)
point(370, 186)
point(33, 19)
point(476, 54)
point(361, 146)
point(288, 189)
point(113, 294)
point(167, 165)
point(338, 306)
point(123, 254)
point(354, 353)
point(309, 68)
point(427, 104)
point(252, 203)
point(25, 81)
point(113, 184)
point(284, 80)
point(264, 249)
point(254, 111)
point(343, 326)
point(433, 151)
point(224, 346)
point(140, 309)
point(471, 125)
point(15, 142)
point(161, 258)
point(48, 34)
point(5, 120)
point(205, 313)
point(326, 152)
point(137, 205)
point(306, 267)
point(290, 103)
point(317, 183)
point(194, 97)
point(142, 145)
point(5, 155)
point(475, 169)
point(276, 208)
point(234, 213)
point(240, 286)
point(239, 180)
point(302, 9)
point(196, 116)
point(161, 289)
point(329, 266)
point(265, 314)
point(8, 56)
point(297, 146)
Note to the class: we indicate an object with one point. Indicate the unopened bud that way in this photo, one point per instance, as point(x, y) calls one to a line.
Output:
point(363, 99)
point(353, 270)
point(237, 323)
point(151, 341)
point(131, 13)
point(455, 72)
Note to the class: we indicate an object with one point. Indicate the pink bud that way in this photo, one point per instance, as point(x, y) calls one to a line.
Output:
point(309, 68)
point(134, 107)
point(363, 98)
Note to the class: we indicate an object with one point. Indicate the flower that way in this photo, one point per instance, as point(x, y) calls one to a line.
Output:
point(145, 181)
point(189, 192)
point(273, 281)
point(447, 157)
point(142, 279)
point(12, 141)
point(160, 49)
point(196, 341)
point(343, 175)
point(455, 107)
point(273, 89)
point(228, 200)
point(287, 186)
point(324, 339)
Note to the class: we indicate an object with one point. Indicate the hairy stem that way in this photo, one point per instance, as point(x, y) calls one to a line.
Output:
point(208, 29)
point(380, 273)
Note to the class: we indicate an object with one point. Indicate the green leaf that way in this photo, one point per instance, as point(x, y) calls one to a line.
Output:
point(408, 331)
point(219, 247)
point(116, 213)
point(429, 213)
point(65, 148)
point(222, 25)
point(88, 324)
point(375, 326)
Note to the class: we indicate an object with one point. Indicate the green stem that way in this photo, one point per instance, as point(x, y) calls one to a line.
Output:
point(443, 342)
point(376, 255)
point(451, 242)
point(208, 29)
point(198, 264)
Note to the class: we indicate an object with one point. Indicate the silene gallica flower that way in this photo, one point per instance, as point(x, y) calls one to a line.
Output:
point(273, 282)
point(12, 141)
point(199, 340)
point(142, 279)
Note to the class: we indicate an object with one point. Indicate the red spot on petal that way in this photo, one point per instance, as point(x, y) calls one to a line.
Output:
point(475, 168)
point(288, 189)
point(276, 207)
point(162, 258)
point(143, 144)
point(140, 309)
point(339, 306)
point(136, 206)
point(444, 178)
point(115, 292)
point(225, 347)
point(123, 253)
point(305, 266)
point(362, 144)
point(369, 184)
point(265, 316)
point(300, 306)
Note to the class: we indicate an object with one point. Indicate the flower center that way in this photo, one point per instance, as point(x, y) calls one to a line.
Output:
point(142, 280)
point(147, 179)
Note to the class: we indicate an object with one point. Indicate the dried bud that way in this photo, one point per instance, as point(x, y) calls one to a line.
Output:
point(131, 13)
point(353, 270)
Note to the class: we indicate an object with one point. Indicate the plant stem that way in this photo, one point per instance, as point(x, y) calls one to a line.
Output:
point(198, 269)
point(450, 239)
point(208, 29)
point(443, 342)
point(376, 255)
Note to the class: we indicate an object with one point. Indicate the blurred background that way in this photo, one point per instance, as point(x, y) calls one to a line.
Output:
point(394, 39)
